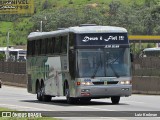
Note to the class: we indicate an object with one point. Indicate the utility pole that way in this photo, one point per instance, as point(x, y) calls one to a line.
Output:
point(41, 23)
point(7, 50)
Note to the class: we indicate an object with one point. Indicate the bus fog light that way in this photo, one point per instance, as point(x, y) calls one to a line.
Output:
point(85, 90)
point(125, 89)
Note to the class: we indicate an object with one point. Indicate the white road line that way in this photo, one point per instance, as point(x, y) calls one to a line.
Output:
point(135, 102)
point(95, 108)
point(24, 107)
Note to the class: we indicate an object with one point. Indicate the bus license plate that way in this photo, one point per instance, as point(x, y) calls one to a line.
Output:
point(105, 82)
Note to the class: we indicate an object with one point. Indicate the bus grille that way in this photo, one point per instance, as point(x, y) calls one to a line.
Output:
point(108, 83)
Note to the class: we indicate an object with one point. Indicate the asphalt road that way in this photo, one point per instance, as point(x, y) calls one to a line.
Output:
point(18, 99)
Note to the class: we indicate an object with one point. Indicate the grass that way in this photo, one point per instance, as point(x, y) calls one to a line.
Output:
point(12, 118)
point(21, 27)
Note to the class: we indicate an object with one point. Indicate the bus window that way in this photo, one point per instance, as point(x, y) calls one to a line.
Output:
point(64, 44)
point(43, 46)
point(58, 42)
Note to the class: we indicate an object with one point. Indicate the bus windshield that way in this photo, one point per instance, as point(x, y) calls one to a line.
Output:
point(104, 62)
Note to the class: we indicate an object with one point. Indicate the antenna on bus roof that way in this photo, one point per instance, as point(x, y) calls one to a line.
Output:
point(82, 25)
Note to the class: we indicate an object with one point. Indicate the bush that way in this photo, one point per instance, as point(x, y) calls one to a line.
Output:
point(2, 56)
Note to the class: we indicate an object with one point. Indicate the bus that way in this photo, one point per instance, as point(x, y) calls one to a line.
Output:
point(150, 52)
point(80, 63)
point(13, 54)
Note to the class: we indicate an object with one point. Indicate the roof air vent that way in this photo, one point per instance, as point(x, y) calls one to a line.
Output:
point(83, 25)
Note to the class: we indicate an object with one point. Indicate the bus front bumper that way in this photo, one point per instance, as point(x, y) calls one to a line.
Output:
point(103, 91)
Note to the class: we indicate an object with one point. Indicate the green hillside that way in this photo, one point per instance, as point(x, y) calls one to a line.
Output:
point(138, 16)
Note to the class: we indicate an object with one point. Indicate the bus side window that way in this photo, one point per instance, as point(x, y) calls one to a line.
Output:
point(33, 50)
point(43, 46)
point(64, 44)
point(72, 63)
point(58, 42)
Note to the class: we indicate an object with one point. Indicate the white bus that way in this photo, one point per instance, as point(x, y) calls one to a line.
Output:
point(14, 54)
point(81, 63)
point(150, 52)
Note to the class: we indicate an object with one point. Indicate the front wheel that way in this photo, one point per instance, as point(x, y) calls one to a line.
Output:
point(115, 99)
point(70, 100)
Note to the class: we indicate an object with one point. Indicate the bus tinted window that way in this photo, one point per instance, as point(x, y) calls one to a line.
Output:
point(31, 48)
point(51, 44)
point(43, 46)
point(58, 42)
point(71, 39)
point(64, 44)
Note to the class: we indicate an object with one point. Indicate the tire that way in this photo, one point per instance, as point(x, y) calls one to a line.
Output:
point(45, 98)
point(39, 92)
point(69, 99)
point(85, 100)
point(115, 99)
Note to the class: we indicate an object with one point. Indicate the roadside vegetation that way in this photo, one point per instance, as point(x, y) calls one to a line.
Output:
point(139, 17)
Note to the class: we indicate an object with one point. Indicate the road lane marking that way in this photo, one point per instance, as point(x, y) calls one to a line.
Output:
point(135, 102)
point(95, 108)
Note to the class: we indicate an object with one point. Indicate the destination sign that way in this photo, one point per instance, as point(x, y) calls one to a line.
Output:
point(106, 39)
point(16, 6)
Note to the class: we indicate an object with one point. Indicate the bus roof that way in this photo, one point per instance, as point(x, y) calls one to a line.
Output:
point(10, 49)
point(151, 49)
point(78, 30)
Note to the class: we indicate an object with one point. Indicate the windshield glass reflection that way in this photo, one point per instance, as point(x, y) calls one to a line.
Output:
point(104, 62)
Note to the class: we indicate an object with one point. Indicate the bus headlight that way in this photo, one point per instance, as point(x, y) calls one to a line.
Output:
point(86, 83)
point(127, 82)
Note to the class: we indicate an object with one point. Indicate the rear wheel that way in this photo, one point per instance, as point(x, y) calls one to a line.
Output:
point(39, 92)
point(115, 99)
point(45, 98)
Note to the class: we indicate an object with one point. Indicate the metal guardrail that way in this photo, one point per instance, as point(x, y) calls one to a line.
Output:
point(146, 74)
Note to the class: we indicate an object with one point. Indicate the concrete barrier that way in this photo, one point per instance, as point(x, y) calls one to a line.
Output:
point(18, 80)
point(141, 85)
point(146, 85)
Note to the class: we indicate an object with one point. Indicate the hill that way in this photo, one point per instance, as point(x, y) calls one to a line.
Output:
point(137, 16)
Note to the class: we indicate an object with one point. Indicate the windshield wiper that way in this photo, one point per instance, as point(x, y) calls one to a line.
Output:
point(116, 74)
point(95, 71)
point(110, 64)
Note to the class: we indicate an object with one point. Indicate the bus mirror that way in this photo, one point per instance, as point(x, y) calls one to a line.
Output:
point(132, 57)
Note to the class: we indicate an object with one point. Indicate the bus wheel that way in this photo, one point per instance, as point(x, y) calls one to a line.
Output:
point(70, 100)
point(45, 98)
point(85, 100)
point(115, 99)
point(39, 92)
